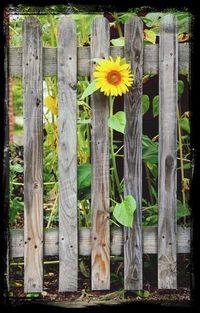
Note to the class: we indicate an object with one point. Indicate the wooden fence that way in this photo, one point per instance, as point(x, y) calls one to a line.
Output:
point(33, 62)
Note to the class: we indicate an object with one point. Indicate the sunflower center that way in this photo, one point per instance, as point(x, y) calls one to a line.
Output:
point(114, 77)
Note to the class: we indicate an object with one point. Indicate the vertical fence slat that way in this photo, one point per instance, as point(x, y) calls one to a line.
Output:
point(133, 154)
point(67, 160)
point(100, 258)
point(33, 156)
point(168, 79)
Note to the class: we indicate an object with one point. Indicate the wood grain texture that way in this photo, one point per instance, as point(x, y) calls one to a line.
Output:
point(67, 160)
point(168, 95)
point(33, 155)
point(100, 260)
point(133, 154)
point(150, 59)
point(51, 246)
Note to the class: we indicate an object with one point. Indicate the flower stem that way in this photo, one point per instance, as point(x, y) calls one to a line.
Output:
point(149, 183)
point(112, 151)
point(53, 213)
point(118, 24)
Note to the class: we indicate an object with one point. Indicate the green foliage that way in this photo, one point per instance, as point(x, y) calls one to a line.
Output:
point(155, 106)
point(142, 293)
point(83, 23)
point(17, 97)
point(149, 150)
point(118, 41)
point(32, 295)
point(145, 103)
point(152, 20)
point(89, 90)
point(180, 88)
point(185, 124)
point(84, 176)
point(117, 121)
point(182, 211)
point(16, 203)
point(123, 212)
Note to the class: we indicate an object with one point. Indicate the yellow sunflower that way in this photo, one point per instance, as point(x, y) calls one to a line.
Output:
point(113, 77)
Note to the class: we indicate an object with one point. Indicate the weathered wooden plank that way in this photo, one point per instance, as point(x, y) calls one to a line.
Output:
point(150, 236)
point(67, 162)
point(33, 155)
point(133, 154)
point(150, 59)
point(168, 93)
point(100, 165)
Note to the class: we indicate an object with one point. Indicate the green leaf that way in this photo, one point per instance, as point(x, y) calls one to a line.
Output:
point(89, 90)
point(156, 30)
point(149, 150)
point(142, 293)
point(145, 103)
point(146, 294)
point(118, 121)
point(118, 42)
point(180, 88)
point(184, 22)
point(182, 211)
point(84, 176)
point(122, 18)
point(153, 19)
point(32, 295)
point(185, 124)
point(150, 36)
point(123, 212)
point(155, 106)
point(17, 168)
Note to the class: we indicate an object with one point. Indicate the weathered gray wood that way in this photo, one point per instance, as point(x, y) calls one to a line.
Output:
point(100, 41)
point(33, 155)
point(150, 61)
point(67, 162)
point(168, 93)
point(133, 154)
point(150, 236)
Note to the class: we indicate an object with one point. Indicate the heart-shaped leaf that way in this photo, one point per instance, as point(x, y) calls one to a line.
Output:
point(123, 212)
point(118, 121)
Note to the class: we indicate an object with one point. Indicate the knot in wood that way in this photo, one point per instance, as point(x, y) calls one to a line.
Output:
point(73, 86)
point(169, 162)
point(36, 185)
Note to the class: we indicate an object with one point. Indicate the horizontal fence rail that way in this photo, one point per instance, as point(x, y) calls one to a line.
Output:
point(51, 244)
point(33, 62)
point(150, 59)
